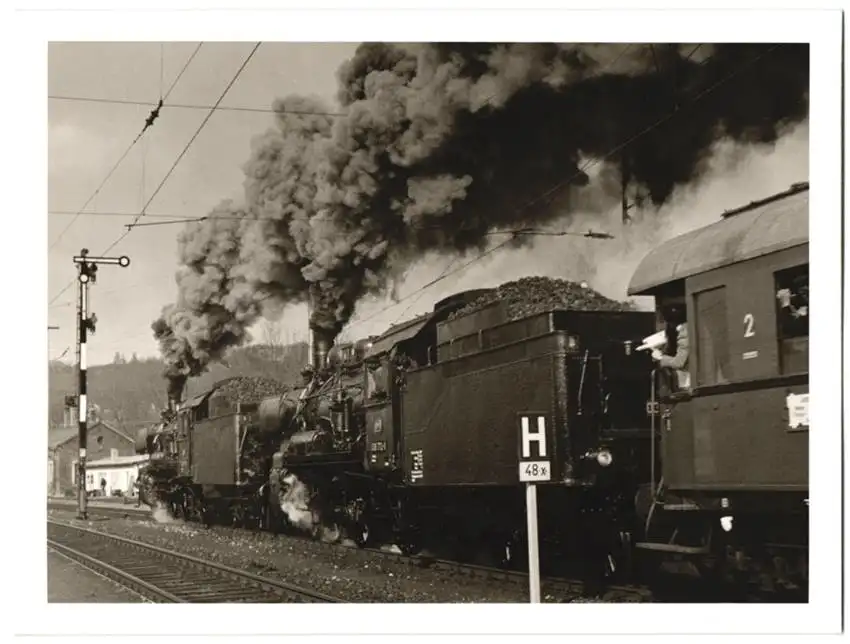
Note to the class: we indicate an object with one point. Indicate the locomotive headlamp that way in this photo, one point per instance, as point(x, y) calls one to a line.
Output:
point(726, 523)
point(604, 458)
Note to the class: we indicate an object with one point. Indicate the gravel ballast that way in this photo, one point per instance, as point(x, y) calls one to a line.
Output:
point(347, 573)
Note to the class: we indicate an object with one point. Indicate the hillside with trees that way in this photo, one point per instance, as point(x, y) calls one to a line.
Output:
point(131, 393)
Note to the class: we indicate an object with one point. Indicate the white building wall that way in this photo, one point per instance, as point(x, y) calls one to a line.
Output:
point(118, 477)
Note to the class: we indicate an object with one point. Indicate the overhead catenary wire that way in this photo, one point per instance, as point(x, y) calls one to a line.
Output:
point(434, 281)
point(582, 169)
point(647, 129)
point(176, 162)
point(191, 106)
point(560, 184)
point(187, 146)
point(445, 272)
point(124, 155)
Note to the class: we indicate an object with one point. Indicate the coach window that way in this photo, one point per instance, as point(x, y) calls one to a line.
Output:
point(712, 341)
point(792, 317)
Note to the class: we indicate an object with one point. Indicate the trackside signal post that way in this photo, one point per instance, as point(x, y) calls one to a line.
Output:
point(535, 466)
point(86, 275)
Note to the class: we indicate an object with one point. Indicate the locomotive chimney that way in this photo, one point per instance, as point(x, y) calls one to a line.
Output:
point(321, 343)
point(311, 341)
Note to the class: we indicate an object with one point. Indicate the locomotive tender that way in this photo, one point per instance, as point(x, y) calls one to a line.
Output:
point(414, 434)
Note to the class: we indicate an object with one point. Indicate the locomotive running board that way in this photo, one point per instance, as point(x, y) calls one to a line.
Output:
point(673, 548)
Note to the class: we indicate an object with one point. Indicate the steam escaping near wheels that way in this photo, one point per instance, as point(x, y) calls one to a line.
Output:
point(294, 499)
point(162, 516)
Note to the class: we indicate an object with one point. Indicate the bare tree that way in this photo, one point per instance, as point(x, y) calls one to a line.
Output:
point(273, 338)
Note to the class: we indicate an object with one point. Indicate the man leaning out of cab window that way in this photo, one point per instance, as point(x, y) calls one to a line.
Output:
point(678, 350)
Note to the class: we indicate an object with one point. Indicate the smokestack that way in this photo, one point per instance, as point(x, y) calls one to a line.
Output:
point(319, 339)
point(322, 342)
point(310, 339)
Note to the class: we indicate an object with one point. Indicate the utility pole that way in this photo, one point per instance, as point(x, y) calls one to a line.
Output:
point(87, 274)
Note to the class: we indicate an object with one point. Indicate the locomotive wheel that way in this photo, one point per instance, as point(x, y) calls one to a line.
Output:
point(361, 533)
point(512, 552)
point(409, 542)
point(238, 515)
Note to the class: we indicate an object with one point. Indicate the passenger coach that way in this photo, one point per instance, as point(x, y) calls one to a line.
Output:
point(734, 443)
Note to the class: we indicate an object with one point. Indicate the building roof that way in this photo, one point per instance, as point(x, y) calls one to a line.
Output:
point(61, 435)
point(763, 227)
point(118, 461)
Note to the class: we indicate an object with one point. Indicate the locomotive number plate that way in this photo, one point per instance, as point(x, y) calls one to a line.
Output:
point(535, 471)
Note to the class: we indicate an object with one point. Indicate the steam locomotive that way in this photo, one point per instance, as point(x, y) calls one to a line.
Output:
point(418, 434)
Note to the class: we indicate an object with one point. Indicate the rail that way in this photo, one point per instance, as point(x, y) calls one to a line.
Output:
point(565, 589)
point(166, 576)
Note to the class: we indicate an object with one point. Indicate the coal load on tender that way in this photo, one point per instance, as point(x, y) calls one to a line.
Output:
point(250, 388)
point(531, 295)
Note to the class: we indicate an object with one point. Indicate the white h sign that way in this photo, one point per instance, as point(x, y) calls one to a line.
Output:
point(534, 464)
point(533, 468)
point(537, 436)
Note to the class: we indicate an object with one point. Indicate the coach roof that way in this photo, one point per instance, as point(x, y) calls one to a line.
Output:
point(759, 228)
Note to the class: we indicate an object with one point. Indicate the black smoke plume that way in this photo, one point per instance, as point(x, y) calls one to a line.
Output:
point(439, 144)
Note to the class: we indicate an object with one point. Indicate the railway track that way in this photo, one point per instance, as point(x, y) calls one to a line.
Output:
point(165, 576)
point(564, 589)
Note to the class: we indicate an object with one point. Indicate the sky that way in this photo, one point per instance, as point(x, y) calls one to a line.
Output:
point(85, 139)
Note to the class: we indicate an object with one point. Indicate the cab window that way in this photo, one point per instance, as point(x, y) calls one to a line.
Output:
point(792, 318)
point(376, 381)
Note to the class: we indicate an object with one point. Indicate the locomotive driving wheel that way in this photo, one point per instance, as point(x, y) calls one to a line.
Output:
point(513, 549)
point(359, 523)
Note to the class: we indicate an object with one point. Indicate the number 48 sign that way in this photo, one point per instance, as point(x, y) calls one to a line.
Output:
point(534, 463)
point(534, 467)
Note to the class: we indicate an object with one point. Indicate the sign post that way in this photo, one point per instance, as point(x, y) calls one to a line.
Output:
point(534, 467)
